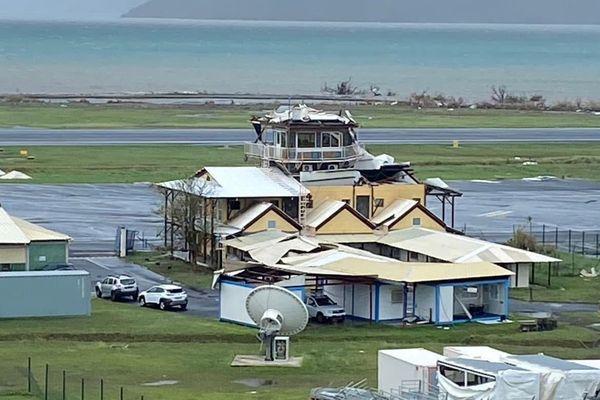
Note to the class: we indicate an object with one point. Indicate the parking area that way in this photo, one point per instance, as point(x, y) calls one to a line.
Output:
point(200, 303)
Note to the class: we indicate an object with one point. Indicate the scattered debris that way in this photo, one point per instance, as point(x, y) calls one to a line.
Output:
point(527, 163)
point(160, 383)
point(255, 382)
point(592, 274)
point(14, 175)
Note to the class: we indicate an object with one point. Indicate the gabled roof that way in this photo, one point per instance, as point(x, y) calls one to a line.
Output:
point(390, 215)
point(10, 233)
point(239, 182)
point(16, 231)
point(37, 233)
point(257, 240)
point(457, 248)
point(251, 214)
point(327, 210)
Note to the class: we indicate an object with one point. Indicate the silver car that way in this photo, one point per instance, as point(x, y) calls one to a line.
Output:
point(117, 287)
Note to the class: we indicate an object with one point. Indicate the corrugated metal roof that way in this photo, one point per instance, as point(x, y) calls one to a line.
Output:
point(321, 213)
point(254, 211)
point(303, 113)
point(350, 238)
point(10, 233)
point(257, 240)
point(37, 233)
point(240, 182)
point(272, 254)
point(394, 211)
point(456, 248)
point(396, 271)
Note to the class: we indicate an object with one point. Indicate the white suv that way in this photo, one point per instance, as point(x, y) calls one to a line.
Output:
point(164, 296)
point(322, 308)
point(117, 287)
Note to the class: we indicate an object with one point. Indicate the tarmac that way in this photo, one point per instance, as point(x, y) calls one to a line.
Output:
point(91, 214)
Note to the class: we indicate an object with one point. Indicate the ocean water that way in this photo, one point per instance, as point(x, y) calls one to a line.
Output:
point(558, 62)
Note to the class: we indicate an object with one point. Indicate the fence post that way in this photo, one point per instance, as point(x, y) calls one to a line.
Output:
point(82, 388)
point(28, 374)
point(46, 383)
point(64, 385)
point(121, 395)
point(556, 238)
point(101, 389)
point(543, 235)
point(597, 245)
point(569, 240)
point(583, 243)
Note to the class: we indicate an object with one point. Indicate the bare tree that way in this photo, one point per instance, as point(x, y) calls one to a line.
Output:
point(499, 94)
point(190, 218)
point(343, 88)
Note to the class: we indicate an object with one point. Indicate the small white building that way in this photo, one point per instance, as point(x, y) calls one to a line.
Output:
point(407, 370)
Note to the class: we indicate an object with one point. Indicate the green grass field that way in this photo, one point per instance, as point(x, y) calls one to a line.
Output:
point(193, 277)
point(155, 163)
point(129, 346)
point(227, 116)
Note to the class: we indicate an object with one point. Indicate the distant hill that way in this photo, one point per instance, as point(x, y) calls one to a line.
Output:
point(438, 11)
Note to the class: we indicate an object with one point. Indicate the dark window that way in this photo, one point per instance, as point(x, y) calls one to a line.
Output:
point(127, 281)
point(325, 301)
point(5, 267)
point(175, 291)
point(379, 203)
point(306, 140)
point(416, 221)
point(363, 206)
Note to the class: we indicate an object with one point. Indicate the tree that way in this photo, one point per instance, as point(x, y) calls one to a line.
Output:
point(499, 94)
point(190, 218)
point(343, 88)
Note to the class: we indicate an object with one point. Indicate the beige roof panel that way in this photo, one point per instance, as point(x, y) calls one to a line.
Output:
point(317, 216)
point(257, 240)
point(37, 233)
point(10, 233)
point(456, 248)
point(394, 211)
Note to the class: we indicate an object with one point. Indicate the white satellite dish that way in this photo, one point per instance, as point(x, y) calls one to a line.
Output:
point(276, 311)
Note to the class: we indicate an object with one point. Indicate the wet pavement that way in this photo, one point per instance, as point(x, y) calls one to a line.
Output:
point(200, 303)
point(91, 214)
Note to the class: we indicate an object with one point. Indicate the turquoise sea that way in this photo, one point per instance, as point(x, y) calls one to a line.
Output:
point(558, 62)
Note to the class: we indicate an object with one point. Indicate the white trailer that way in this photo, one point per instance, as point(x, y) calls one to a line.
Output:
point(407, 369)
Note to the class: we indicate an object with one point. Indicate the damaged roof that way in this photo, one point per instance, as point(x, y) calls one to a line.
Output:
point(303, 114)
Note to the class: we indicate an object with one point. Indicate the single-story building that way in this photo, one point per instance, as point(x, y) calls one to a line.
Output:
point(418, 244)
point(376, 288)
point(25, 246)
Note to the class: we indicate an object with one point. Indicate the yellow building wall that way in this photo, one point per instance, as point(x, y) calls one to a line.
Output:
point(426, 221)
point(388, 192)
point(344, 222)
point(263, 223)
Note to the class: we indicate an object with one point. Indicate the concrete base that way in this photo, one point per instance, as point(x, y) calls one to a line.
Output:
point(259, 361)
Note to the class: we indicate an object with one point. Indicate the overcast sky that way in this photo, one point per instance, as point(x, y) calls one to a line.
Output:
point(65, 9)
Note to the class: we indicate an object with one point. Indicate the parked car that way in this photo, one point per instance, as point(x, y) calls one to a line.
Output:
point(117, 287)
point(164, 296)
point(323, 308)
point(58, 267)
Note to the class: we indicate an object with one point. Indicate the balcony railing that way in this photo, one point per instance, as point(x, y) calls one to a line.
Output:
point(270, 152)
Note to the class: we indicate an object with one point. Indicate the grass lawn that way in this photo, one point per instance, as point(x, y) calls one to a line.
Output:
point(128, 346)
point(226, 116)
point(155, 163)
point(193, 277)
point(568, 286)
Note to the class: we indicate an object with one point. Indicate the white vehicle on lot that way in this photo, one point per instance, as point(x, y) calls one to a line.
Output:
point(117, 287)
point(164, 296)
point(322, 308)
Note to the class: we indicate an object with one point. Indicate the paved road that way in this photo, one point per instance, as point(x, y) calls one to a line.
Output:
point(200, 303)
point(519, 306)
point(26, 136)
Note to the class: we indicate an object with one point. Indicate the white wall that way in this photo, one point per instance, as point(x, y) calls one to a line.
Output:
point(494, 305)
point(233, 301)
point(361, 301)
point(424, 301)
point(446, 304)
point(524, 271)
point(387, 310)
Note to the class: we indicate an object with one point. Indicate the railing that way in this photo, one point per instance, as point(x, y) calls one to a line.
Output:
point(261, 150)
